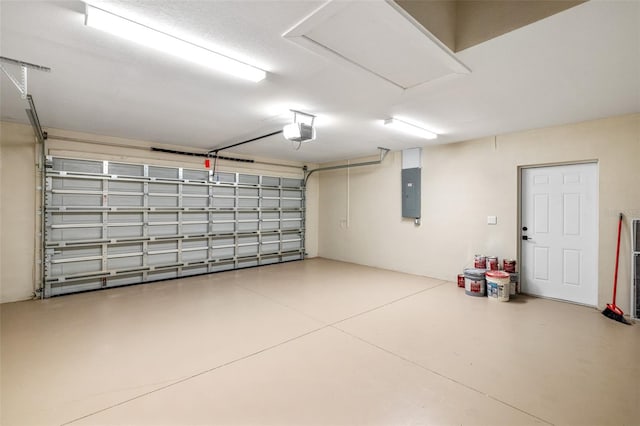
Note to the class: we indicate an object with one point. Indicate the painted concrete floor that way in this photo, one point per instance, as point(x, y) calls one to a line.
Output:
point(316, 342)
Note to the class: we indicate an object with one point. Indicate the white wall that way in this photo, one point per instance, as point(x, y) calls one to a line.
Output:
point(19, 202)
point(462, 184)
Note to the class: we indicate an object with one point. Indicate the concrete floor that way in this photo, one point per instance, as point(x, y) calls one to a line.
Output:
point(315, 342)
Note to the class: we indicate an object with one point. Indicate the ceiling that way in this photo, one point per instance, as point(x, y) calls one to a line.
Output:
point(580, 64)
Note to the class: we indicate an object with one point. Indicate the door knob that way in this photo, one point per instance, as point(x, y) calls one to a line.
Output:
point(524, 237)
point(524, 228)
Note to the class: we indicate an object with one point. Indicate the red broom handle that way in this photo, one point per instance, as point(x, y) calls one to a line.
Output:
point(615, 277)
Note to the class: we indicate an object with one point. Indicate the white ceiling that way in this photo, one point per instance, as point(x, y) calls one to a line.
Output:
point(580, 64)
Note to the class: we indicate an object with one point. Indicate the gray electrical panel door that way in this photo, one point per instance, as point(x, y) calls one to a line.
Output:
point(109, 223)
point(635, 266)
point(411, 193)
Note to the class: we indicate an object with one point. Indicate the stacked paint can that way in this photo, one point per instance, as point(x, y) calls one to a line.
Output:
point(481, 280)
point(498, 285)
point(515, 283)
point(509, 266)
point(480, 262)
point(492, 263)
point(474, 282)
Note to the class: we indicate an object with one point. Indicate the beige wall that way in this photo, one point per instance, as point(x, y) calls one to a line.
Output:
point(18, 201)
point(479, 21)
point(461, 24)
point(438, 16)
point(17, 211)
point(462, 184)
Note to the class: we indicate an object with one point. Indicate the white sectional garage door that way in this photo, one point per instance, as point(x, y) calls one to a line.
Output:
point(109, 224)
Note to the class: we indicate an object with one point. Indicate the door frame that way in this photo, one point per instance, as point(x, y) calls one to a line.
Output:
point(521, 168)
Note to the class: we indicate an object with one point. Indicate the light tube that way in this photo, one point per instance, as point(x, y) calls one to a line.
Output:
point(130, 30)
point(412, 129)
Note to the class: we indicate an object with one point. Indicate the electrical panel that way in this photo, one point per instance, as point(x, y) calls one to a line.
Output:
point(411, 192)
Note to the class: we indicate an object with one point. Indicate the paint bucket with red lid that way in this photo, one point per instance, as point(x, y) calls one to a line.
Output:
point(498, 285)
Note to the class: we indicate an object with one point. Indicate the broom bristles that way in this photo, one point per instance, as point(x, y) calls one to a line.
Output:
point(610, 313)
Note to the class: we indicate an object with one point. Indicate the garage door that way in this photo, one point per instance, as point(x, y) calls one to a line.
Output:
point(109, 224)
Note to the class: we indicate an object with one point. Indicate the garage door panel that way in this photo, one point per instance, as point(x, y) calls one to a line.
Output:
point(112, 223)
point(76, 184)
point(270, 203)
point(75, 268)
point(223, 202)
point(194, 255)
point(162, 230)
point(195, 228)
point(59, 218)
point(128, 262)
point(247, 263)
point(57, 289)
point(125, 200)
point(163, 201)
point(195, 201)
point(78, 166)
point(63, 253)
point(199, 175)
point(248, 202)
point(124, 217)
point(123, 280)
point(270, 181)
point(163, 259)
point(247, 226)
point(195, 217)
point(157, 246)
point(221, 227)
point(125, 186)
point(223, 252)
point(202, 190)
point(163, 172)
point(75, 200)
point(163, 188)
point(125, 231)
point(195, 243)
point(125, 248)
point(291, 183)
point(122, 169)
point(163, 275)
point(70, 234)
point(195, 270)
point(163, 217)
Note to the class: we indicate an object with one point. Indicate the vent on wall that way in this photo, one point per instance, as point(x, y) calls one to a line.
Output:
point(378, 37)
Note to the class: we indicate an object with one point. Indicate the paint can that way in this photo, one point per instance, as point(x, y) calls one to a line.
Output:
point(514, 279)
point(509, 265)
point(461, 280)
point(492, 263)
point(498, 285)
point(474, 282)
point(480, 262)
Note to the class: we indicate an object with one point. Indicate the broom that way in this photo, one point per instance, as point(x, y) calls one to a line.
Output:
point(612, 311)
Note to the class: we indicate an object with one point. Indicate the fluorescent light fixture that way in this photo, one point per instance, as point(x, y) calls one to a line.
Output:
point(412, 129)
point(105, 21)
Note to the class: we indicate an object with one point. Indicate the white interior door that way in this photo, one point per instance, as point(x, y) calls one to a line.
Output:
point(559, 239)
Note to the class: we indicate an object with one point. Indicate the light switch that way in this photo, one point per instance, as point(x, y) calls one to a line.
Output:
point(492, 220)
